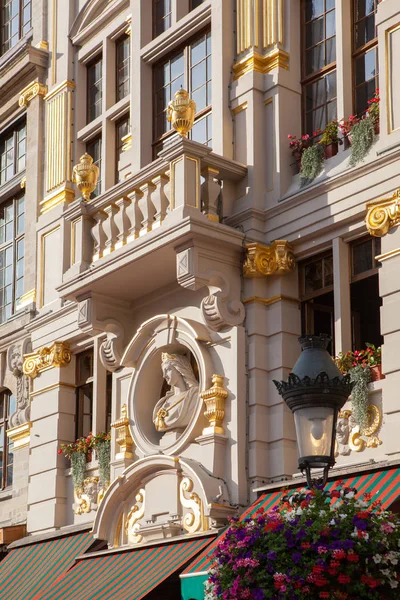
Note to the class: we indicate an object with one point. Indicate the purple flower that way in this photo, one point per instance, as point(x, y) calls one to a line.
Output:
point(271, 555)
point(296, 557)
point(258, 594)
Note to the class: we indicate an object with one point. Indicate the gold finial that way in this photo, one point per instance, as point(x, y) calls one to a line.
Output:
point(85, 175)
point(214, 399)
point(181, 112)
point(123, 435)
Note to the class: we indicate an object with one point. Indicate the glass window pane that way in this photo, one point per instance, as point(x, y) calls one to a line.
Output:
point(315, 32)
point(314, 8)
point(199, 132)
point(328, 271)
point(200, 97)
point(198, 50)
point(331, 91)
point(362, 257)
point(313, 279)
point(365, 67)
point(315, 59)
point(12, 405)
point(315, 94)
point(198, 75)
point(177, 66)
point(330, 24)
point(330, 51)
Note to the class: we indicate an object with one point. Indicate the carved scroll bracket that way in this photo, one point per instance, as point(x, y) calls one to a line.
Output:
point(276, 259)
point(383, 214)
point(136, 513)
point(56, 355)
point(219, 308)
point(195, 520)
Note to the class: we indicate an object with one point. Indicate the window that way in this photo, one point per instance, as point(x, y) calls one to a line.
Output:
point(364, 293)
point(189, 68)
point(195, 3)
point(162, 12)
point(12, 152)
point(12, 227)
point(15, 20)
point(94, 149)
point(123, 46)
point(319, 63)
point(94, 91)
point(316, 290)
point(365, 53)
point(122, 129)
point(8, 406)
point(84, 394)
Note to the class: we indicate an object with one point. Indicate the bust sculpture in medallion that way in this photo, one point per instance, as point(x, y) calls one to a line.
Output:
point(174, 410)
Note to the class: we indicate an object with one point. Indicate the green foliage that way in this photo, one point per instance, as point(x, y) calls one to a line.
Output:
point(103, 451)
point(78, 467)
point(311, 163)
point(331, 134)
point(362, 139)
point(360, 376)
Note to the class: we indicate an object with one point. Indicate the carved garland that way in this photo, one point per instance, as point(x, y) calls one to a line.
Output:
point(276, 259)
point(56, 355)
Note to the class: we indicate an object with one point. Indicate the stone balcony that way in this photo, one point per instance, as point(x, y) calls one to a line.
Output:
point(183, 194)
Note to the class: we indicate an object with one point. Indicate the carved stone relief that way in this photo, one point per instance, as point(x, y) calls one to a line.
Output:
point(89, 497)
point(349, 438)
point(15, 361)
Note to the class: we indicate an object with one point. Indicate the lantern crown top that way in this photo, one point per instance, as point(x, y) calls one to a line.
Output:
point(315, 341)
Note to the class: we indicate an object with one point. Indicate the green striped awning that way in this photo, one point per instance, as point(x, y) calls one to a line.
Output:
point(128, 574)
point(384, 485)
point(30, 569)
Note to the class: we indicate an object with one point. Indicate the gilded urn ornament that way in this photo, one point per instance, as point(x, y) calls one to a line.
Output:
point(181, 112)
point(85, 175)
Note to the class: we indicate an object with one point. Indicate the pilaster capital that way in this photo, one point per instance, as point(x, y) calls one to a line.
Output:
point(30, 92)
point(383, 214)
point(276, 259)
point(56, 355)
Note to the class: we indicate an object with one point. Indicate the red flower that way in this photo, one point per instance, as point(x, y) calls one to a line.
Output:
point(305, 545)
point(352, 557)
point(321, 581)
point(324, 594)
point(335, 494)
point(344, 578)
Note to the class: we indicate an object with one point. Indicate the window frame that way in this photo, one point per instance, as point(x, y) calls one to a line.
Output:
point(168, 15)
point(13, 244)
point(123, 38)
point(14, 130)
point(185, 49)
point(313, 77)
point(6, 396)
point(362, 51)
point(95, 60)
point(302, 266)
point(22, 4)
point(119, 144)
point(81, 384)
point(375, 252)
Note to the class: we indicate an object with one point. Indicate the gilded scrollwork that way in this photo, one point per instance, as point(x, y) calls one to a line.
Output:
point(383, 214)
point(349, 436)
point(195, 520)
point(56, 355)
point(30, 92)
point(136, 513)
point(276, 259)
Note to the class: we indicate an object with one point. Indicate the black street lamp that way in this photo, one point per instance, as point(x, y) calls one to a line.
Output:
point(315, 392)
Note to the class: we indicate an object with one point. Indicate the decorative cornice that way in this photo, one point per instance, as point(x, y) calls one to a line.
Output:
point(66, 196)
point(276, 259)
point(262, 63)
point(383, 214)
point(30, 92)
point(20, 435)
point(57, 355)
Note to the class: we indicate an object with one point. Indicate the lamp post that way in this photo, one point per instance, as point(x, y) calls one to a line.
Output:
point(315, 392)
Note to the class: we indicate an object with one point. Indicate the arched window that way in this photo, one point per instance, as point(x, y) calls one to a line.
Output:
point(7, 408)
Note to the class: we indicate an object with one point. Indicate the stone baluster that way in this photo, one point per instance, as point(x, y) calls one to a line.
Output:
point(122, 221)
point(110, 229)
point(147, 207)
point(98, 234)
point(135, 216)
point(160, 198)
point(210, 192)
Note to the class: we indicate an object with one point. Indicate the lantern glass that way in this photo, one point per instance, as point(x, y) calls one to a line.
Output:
point(314, 429)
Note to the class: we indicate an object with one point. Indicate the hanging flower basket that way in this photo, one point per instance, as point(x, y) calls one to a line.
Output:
point(319, 546)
